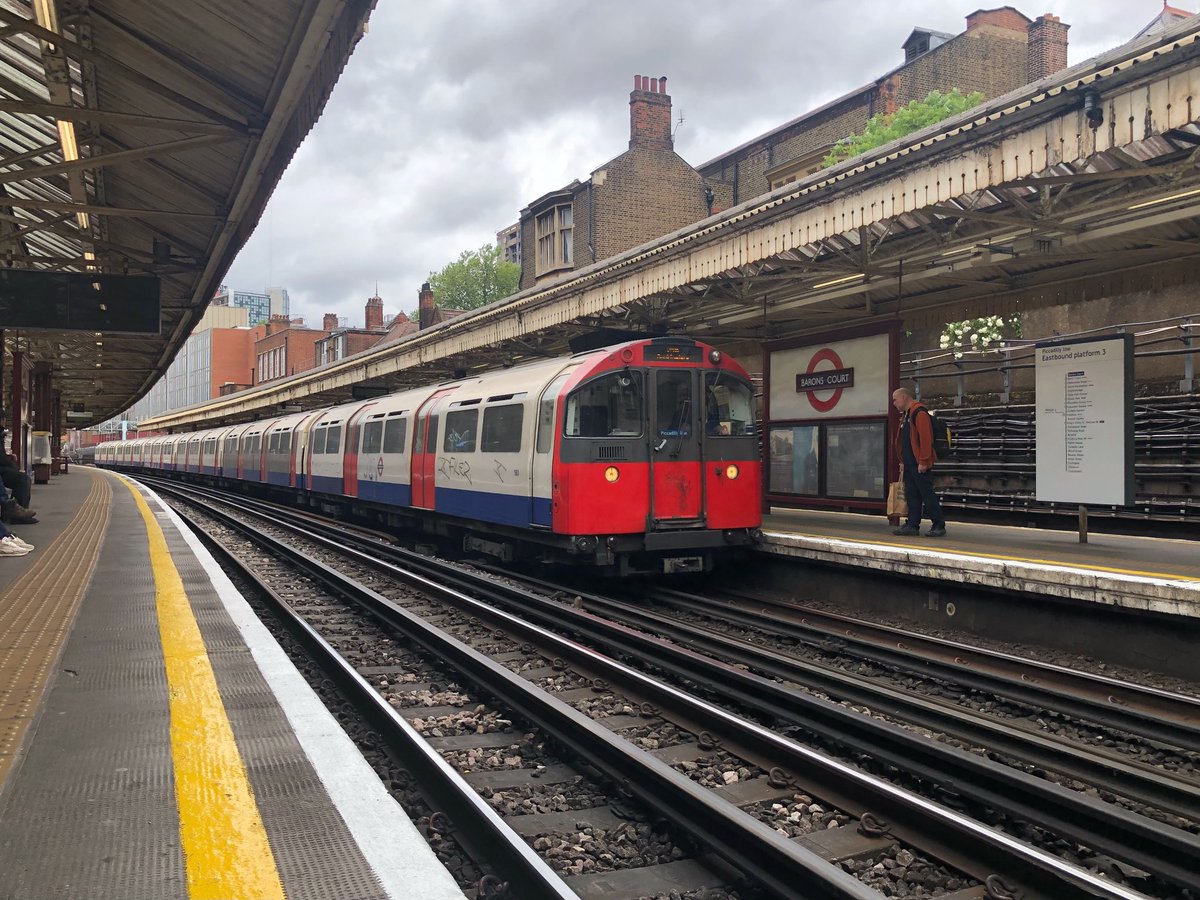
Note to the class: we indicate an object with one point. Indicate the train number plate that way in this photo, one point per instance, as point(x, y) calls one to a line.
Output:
point(675, 564)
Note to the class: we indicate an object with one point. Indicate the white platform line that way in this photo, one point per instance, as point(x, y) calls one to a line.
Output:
point(403, 862)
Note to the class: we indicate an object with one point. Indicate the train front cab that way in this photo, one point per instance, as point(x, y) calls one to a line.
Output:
point(658, 465)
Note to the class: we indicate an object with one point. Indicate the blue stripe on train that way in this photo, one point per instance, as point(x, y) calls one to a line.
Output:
point(385, 492)
point(283, 478)
point(503, 509)
point(327, 484)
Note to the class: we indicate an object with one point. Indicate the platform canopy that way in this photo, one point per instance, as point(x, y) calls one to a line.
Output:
point(143, 139)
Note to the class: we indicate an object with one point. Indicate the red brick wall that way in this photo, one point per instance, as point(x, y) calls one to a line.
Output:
point(650, 114)
point(1047, 48)
point(1003, 17)
point(233, 356)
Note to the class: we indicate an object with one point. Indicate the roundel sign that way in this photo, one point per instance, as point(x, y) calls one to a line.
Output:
point(826, 381)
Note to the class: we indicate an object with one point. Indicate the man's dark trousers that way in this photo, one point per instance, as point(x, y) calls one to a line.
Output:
point(922, 501)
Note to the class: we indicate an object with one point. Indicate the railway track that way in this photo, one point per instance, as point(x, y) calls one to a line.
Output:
point(778, 812)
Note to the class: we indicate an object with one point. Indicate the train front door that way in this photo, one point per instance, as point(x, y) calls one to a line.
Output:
point(677, 495)
point(424, 451)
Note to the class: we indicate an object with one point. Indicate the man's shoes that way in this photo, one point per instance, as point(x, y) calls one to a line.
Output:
point(15, 514)
point(936, 531)
point(908, 530)
point(9, 547)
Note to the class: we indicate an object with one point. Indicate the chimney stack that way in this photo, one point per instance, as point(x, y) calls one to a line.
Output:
point(425, 306)
point(374, 315)
point(650, 114)
point(330, 322)
point(1047, 53)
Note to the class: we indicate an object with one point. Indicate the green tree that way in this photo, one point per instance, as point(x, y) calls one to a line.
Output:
point(476, 278)
point(882, 129)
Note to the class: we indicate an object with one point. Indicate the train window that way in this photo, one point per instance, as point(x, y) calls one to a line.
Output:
point(372, 437)
point(394, 435)
point(502, 428)
point(610, 406)
point(431, 435)
point(273, 443)
point(728, 406)
point(316, 443)
point(673, 391)
point(333, 440)
point(462, 428)
point(285, 442)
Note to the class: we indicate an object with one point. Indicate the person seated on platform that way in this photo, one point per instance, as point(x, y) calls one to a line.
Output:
point(11, 545)
point(12, 512)
point(15, 480)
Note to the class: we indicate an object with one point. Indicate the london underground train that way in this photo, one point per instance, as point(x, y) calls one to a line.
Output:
point(640, 457)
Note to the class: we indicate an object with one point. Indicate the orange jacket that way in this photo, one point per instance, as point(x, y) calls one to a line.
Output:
point(920, 435)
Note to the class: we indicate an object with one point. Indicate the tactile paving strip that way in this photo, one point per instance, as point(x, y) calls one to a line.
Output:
point(36, 613)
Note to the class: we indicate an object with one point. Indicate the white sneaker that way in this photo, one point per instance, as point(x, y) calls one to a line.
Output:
point(10, 547)
point(21, 543)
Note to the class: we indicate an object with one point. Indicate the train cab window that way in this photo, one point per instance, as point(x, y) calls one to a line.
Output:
point(610, 406)
point(673, 391)
point(728, 406)
point(372, 437)
point(502, 428)
point(395, 435)
point(462, 428)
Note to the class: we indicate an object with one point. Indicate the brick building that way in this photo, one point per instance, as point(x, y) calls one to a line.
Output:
point(647, 191)
point(287, 347)
point(1000, 50)
point(339, 342)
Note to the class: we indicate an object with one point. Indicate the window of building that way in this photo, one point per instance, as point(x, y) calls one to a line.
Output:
point(555, 238)
point(502, 428)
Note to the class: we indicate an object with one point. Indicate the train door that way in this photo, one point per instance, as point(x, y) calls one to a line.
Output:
point(542, 470)
point(350, 454)
point(424, 455)
point(677, 493)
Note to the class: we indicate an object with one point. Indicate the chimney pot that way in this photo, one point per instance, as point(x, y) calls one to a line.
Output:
point(654, 85)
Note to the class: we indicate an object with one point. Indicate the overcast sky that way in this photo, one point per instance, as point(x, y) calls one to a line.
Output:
point(453, 115)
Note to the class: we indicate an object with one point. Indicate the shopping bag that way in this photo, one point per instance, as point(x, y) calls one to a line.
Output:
point(897, 504)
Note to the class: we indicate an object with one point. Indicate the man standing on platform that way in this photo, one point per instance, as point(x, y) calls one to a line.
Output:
point(914, 444)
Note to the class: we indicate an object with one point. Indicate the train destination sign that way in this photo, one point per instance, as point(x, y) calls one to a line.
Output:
point(826, 380)
point(676, 352)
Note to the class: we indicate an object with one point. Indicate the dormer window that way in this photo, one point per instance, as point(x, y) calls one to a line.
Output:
point(555, 233)
point(916, 47)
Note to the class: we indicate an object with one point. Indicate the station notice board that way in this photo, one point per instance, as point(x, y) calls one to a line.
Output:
point(1085, 421)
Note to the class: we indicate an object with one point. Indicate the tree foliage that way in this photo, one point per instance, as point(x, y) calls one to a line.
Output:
point(882, 129)
point(476, 278)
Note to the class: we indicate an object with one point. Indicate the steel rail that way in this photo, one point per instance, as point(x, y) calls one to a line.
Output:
point(481, 830)
point(751, 846)
point(1164, 716)
point(1134, 781)
point(1042, 873)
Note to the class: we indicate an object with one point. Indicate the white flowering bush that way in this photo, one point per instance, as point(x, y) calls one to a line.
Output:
point(978, 334)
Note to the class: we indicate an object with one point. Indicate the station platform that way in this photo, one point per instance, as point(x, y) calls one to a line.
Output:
point(1136, 573)
point(156, 742)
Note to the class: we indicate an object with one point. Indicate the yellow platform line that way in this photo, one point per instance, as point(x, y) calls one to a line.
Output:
point(966, 554)
point(224, 842)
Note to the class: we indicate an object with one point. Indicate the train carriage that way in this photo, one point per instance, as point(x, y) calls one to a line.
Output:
point(639, 457)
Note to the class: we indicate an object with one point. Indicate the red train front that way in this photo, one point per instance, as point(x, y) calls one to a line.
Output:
point(658, 462)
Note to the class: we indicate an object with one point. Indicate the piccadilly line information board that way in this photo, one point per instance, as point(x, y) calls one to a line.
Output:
point(1085, 421)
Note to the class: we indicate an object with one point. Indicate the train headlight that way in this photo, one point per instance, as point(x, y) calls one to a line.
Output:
point(611, 474)
point(731, 472)
point(714, 357)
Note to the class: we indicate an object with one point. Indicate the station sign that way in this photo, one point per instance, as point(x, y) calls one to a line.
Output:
point(834, 379)
point(1085, 421)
